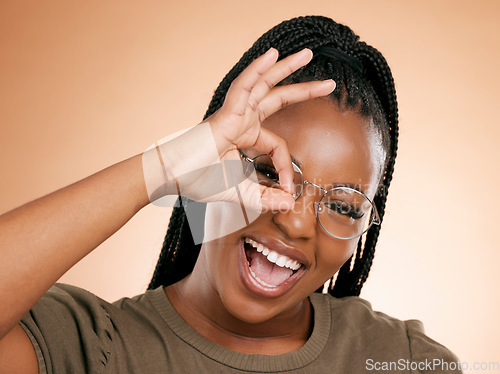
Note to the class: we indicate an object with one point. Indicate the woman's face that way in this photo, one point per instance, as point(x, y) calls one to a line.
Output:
point(332, 147)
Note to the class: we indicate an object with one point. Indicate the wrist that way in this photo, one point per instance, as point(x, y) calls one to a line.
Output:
point(157, 180)
point(169, 164)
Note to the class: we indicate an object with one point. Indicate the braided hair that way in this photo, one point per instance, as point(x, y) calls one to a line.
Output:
point(364, 84)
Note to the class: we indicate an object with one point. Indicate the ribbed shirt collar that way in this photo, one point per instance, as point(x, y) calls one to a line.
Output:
point(250, 362)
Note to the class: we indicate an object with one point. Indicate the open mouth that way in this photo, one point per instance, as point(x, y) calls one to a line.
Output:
point(269, 268)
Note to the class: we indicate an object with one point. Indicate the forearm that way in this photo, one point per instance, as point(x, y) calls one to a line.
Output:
point(43, 239)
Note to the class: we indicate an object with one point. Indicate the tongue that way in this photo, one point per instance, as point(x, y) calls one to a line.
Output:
point(266, 270)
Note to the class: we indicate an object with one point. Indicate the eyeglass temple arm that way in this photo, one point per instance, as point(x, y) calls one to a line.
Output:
point(245, 157)
point(376, 219)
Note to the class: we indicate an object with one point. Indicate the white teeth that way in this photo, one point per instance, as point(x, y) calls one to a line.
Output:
point(274, 257)
point(281, 261)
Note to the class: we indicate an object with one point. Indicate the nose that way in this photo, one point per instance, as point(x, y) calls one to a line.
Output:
point(299, 222)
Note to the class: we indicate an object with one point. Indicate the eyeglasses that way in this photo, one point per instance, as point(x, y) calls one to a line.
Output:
point(342, 212)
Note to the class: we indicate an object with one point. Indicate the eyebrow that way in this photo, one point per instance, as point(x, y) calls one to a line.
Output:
point(334, 185)
point(349, 185)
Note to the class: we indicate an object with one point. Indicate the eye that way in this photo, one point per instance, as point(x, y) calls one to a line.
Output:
point(268, 177)
point(266, 173)
point(343, 208)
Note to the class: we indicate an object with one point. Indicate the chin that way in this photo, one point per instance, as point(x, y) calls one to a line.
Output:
point(252, 311)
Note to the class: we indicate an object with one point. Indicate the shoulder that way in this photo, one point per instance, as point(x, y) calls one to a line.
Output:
point(73, 307)
point(75, 331)
point(64, 297)
point(382, 338)
point(437, 357)
point(70, 330)
point(356, 316)
point(68, 308)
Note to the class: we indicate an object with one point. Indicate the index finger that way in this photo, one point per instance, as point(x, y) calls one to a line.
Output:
point(277, 72)
point(238, 93)
point(277, 147)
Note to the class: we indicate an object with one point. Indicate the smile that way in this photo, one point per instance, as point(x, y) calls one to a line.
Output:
point(266, 271)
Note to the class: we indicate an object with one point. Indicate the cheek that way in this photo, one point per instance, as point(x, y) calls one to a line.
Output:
point(223, 218)
point(332, 256)
point(213, 213)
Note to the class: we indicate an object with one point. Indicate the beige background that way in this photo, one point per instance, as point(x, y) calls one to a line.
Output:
point(86, 84)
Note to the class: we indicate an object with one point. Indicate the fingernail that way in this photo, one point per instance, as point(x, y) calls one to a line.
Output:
point(270, 51)
point(307, 51)
point(329, 82)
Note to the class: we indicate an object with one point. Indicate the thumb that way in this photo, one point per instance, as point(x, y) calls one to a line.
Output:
point(254, 196)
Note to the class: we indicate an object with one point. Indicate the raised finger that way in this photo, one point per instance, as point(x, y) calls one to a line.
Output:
point(275, 199)
point(277, 147)
point(261, 198)
point(240, 89)
point(277, 73)
point(283, 96)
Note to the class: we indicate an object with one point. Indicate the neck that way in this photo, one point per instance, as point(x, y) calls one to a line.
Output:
point(199, 305)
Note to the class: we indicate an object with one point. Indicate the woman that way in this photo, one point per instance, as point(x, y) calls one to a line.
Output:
point(314, 136)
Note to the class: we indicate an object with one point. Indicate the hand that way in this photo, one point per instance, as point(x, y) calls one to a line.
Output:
point(251, 99)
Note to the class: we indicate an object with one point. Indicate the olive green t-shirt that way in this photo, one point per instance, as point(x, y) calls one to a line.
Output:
point(74, 331)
